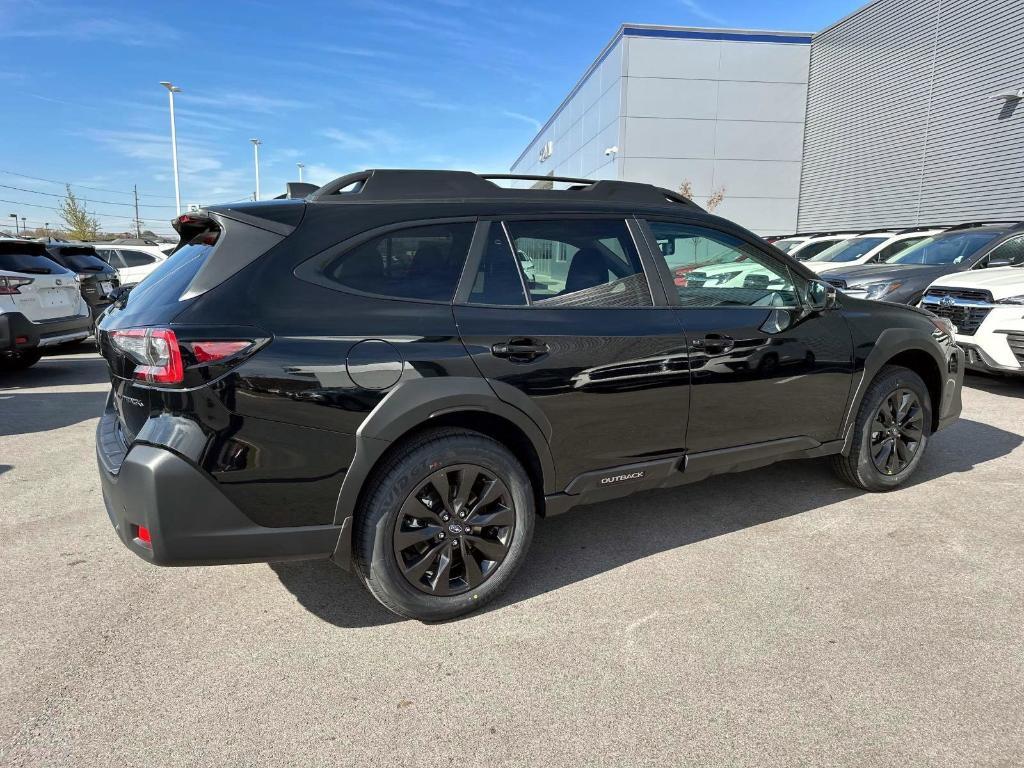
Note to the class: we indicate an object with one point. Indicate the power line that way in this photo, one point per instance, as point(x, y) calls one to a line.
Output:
point(82, 186)
point(102, 202)
point(91, 213)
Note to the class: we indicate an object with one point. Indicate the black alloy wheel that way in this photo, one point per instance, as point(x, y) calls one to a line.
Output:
point(897, 431)
point(454, 530)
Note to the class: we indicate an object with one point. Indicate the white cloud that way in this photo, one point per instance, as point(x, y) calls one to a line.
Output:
point(524, 118)
point(701, 12)
point(371, 140)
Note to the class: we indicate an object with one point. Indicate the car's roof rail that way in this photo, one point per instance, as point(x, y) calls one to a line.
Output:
point(975, 224)
point(921, 228)
point(418, 185)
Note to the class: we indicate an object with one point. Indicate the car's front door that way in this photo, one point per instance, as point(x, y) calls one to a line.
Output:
point(763, 367)
point(583, 337)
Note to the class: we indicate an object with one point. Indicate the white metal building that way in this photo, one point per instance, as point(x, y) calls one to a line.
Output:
point(722, 109)
point(905, 112)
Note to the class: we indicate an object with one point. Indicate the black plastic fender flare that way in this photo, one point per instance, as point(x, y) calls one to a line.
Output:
point(415, 403)
point(891, 342)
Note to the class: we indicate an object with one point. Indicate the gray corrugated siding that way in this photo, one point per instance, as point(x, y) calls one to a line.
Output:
point(901, 128)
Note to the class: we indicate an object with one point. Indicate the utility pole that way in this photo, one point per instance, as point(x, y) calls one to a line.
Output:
point(256, 161)
point(138, 222)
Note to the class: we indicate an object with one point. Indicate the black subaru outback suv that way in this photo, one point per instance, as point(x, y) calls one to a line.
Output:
point(371, 375)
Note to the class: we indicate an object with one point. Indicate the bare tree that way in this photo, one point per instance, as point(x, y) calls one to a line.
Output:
point(715, 200)
point(81, 226)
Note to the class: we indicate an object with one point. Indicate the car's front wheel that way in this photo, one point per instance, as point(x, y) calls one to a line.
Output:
point(447, 523)
point(891, 432)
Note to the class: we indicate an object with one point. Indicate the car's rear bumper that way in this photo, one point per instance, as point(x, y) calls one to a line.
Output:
point(18, 332)
point(189, 520)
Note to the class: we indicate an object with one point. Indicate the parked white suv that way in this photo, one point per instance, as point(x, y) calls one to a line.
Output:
point(41, 304)
point(987, 307)
point(803, 247)
point(132, 262)
point(870, 248)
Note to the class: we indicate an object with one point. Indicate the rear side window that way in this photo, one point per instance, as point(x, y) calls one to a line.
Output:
point(112, 257)
point(579, 263)
point(136, 258)
point(422, 263)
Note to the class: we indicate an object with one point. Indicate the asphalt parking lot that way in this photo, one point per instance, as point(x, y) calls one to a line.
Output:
point(776, 617)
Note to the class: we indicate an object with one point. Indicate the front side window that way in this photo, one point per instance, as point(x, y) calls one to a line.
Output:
point(414, 263)
point(712, 269)
point(893, 248)
point(811, 250)
point(579, 263)
point(1011, 251)
point(953, 248)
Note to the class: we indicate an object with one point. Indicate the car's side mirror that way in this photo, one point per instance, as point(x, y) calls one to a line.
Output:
point(999, 263)
point(820, 295)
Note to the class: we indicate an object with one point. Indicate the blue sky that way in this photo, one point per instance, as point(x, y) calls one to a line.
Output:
point(339, 86)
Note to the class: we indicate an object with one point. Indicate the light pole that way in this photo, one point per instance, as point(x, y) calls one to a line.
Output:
point(256, 159)
point(171, 90)
point(46, 228)
point(300, 167)
point(15, 217)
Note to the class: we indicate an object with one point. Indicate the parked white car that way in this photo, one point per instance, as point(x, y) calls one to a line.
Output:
point(987, 308)
point(41, 304)
point(132, 262)
point(810, 246)
point(871, 248)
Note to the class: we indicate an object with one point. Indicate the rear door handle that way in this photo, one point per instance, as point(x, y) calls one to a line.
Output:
point(520, 349)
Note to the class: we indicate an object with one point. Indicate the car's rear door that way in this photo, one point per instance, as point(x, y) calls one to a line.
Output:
point(589, 341)
point(763, 368)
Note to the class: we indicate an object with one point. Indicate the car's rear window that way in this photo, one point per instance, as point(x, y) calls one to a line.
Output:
point(31, 263)
point(80, 261)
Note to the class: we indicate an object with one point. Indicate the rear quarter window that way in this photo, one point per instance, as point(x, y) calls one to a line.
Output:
point(416, 263)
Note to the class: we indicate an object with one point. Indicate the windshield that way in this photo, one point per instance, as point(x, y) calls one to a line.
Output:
point(788, 244)
point(945, 249)
point(849, 250)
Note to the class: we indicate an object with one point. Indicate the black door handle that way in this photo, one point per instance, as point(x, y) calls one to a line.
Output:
point(715, 344)
point(520, 350)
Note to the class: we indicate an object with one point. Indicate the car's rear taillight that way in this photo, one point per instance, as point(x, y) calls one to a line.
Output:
point(10, 285)
point(155, 352)
point(214, 351)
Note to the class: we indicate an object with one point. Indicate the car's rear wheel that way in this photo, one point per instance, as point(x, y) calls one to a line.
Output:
point(891, 432)
point(17, 361)
point(446, 524)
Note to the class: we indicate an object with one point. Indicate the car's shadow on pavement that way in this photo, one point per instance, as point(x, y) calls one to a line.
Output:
point(66, 370)
point(1004, 386)
point(591, 540)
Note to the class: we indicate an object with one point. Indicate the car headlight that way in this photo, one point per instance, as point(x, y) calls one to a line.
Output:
point(1011, 300)
point(881, 290)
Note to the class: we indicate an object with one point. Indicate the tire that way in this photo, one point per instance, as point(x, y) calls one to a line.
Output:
point(873, 429)
point(19, 361)
point(402, 502)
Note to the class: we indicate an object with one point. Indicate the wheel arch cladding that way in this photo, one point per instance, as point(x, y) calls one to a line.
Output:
point(898, 346)
point(444, 401)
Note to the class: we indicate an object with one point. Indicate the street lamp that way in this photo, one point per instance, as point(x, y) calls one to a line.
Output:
point(15, 217)
point(300, 167)
point(256, 159)
point(171, 90)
